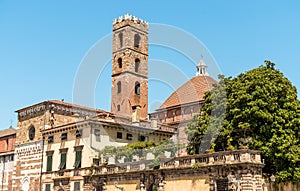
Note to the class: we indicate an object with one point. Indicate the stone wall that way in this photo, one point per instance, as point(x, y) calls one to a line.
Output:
point(27, 169)
point(6, 171)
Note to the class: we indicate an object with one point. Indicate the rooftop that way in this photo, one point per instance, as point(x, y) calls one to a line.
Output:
point(7, 132)
point(191, 91)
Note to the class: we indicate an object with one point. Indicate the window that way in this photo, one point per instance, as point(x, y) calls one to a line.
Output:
point(137, 88)
point(64, 136)
point(119, 135)
point(76, 186)
point(86, 180)
point(120, 62)
point(137, 39)
point(96, 161)
point(49, 163)
point(119, 87)
point(63, 159)
point(78, 133)
point(137, 65)
point(56, 182)
point(78, 159)
point(31, 132)
point(47, 187)
point(118, 107)
point(50, 139)
point(65, 181)
point(144, 138)
point(121, 39)
point(97, 134)
point(129, 136)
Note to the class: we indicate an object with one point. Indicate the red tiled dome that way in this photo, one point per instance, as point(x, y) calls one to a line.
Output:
point(191, 91)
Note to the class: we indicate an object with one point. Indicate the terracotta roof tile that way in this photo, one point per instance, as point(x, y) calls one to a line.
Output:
point(191, 91)
point(7, 132)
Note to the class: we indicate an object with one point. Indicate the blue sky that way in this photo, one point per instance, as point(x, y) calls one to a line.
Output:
point(43, 43)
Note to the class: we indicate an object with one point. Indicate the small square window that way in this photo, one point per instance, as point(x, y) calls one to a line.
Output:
point(56, 182)
point(119, 135)
point(97, 132)
point(129, 136)
point(144, 138)
point(96, 161)
point(50, 139)
point(76, 186)
point(48, 187)
point(78, 133)
point(64, 136)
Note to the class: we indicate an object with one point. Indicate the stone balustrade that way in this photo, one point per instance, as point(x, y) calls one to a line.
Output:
point(192, 161)
point(239, 169)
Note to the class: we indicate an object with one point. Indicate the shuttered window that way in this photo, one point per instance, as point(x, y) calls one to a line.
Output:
point(78, 159)
point(63, 159)
point(49, 163)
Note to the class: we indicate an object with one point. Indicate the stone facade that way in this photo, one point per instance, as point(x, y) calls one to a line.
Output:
point(87, 137)
point(29, 141)
point(130, 67)
point(7, 147)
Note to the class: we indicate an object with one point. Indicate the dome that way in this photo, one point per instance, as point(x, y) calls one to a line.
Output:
point(191, 91)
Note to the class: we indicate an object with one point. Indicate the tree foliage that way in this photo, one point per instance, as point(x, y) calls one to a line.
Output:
point(258, 109)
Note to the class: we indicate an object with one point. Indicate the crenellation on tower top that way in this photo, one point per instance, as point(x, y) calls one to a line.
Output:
point(131, 20)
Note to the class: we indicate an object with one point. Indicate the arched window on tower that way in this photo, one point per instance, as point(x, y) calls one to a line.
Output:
point(121, 39)
point(137, 65)
point(120, 62)
point(137, 39)
point(119, 87)
point(137, 88)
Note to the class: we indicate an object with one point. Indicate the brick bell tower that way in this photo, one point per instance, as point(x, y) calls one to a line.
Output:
point(130, 68)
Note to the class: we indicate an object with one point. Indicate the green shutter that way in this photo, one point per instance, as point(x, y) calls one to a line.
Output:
point(63, 158)
point(78, 159)
point(49, 163)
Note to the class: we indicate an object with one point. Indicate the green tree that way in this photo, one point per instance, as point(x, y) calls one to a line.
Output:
point(258, 109)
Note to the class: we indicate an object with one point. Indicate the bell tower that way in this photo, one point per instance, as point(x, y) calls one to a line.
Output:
point(130, 67)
